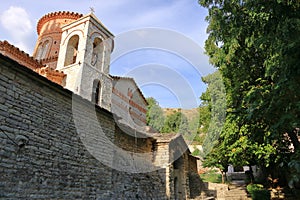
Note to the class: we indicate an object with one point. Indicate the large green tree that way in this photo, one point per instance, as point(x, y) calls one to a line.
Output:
point(255, 45)
point(155, 116)
point(176, 122)
point(212, 110)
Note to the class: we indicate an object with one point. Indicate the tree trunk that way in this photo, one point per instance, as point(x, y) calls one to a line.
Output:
point(224, 177)
point(294, 138)
point(251, 176)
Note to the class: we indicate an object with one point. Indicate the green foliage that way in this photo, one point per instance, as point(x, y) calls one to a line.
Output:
point(211, 176)
point(255, 46)
point(217, 157)
point(176, 123)
point(198, 138)
point(155, 117)
point(212, 110)
point(204, 118)
point(196, 152)
point(258, 192)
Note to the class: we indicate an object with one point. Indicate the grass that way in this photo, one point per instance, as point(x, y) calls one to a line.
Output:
point(212, 177)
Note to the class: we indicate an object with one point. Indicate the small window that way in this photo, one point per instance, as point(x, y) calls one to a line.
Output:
point(96, 93)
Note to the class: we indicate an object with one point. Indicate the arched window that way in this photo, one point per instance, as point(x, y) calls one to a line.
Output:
point(96, 93)
point(97, 55)
point(39, 51)
point(42, 50)
point(72, 50)
point(45, 49)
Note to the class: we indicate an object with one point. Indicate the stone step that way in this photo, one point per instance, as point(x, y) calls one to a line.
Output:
point(237, 191)
point(237, 198)
point(236, 194)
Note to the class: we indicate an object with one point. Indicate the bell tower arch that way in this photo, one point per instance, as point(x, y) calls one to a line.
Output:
point(84, 56)
point(49, 29)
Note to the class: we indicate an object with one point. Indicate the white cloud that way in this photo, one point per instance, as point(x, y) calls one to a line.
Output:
point(17, 23)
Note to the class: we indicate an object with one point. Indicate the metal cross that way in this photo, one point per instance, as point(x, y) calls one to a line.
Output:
point(92, 10)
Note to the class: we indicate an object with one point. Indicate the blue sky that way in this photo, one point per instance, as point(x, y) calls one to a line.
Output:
point(158, 43)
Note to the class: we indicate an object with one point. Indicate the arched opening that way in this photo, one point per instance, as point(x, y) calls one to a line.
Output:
point(97, 55)
point(42, 50)
point(96, 93)
point(39, 51)
point(45, 49)
point(72, 50)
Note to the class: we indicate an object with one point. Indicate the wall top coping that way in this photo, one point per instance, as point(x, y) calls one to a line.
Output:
point(13, 64)
point(10, 50)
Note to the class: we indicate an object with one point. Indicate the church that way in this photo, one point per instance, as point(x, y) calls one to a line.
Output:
point(70, 130)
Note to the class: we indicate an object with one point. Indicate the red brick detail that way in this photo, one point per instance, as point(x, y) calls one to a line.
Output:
point(131, 79)
point(51, 59)
point(51, 74)
point(137, 116)
point(140, 108)
point(127, 100)
point(19, 56)
point(57, 15)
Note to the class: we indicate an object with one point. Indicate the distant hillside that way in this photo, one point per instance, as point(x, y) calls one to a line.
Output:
point(189, 113)
point(193, 123)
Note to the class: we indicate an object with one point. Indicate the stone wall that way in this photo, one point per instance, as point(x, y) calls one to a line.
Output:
point(49, 139)
point(136, 156)
point(195, 183)
point(51, 162)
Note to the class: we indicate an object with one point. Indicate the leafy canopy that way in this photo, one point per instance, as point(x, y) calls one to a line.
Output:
point(255, 45)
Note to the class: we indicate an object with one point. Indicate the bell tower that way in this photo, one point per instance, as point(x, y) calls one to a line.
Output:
point(84, 56)
point(49, 36)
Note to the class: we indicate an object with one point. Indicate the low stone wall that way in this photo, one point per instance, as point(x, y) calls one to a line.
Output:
point(236, 176)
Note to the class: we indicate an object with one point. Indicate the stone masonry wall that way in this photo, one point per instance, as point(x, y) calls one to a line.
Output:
point(49, 139)
point(195, 183)
point(131, 180)
point(52, 162)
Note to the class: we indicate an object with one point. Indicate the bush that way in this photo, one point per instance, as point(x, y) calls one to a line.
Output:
point(258, 192)
point(211, 176)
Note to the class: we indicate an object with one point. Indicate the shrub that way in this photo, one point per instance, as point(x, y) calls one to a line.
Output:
point(258, 192)
point(211, 176)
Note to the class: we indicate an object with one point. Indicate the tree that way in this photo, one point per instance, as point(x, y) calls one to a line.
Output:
point(218, 158)
point(155, 116)
point(255, 45)
point(212, 110)
point(176, 123)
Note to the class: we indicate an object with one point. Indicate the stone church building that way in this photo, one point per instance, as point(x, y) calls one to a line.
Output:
point(70, 130)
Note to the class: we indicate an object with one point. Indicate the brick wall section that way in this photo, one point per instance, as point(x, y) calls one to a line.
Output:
point(43, 157)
